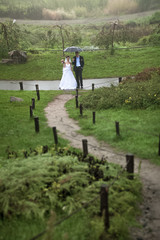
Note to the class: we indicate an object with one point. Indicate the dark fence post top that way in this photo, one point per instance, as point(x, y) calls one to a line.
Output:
point(104, 186)
point(129, 155)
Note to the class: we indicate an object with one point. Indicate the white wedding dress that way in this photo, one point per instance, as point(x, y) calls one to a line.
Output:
point(68, 81)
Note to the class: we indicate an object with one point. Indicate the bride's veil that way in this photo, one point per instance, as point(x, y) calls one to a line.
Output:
point(66, 60)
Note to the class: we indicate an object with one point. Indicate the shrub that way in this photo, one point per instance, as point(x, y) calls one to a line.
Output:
point(62, 181)
point(80, 11)
point(155, 18)
point(152, 40)
point(58, 14)
point(142, 92)
point(121, 6)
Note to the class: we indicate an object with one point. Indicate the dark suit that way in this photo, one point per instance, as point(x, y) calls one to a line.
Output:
point(78, 71)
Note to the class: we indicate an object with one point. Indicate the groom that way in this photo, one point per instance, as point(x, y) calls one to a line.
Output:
point(78, 63)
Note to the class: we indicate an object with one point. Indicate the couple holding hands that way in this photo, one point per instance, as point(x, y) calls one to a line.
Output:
point(68, 80)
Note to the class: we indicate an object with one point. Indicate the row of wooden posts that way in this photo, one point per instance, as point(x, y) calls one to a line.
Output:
point(117, 125)
point(104, 192)
point(37, 88)
point(36, 119)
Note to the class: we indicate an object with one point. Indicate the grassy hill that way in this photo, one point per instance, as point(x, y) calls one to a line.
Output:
point(60, 9)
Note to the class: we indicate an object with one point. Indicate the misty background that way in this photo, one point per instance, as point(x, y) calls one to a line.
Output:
point(72, 9)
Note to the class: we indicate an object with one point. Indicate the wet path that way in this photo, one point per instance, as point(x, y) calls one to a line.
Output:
point(57, 116)
point(54, 85)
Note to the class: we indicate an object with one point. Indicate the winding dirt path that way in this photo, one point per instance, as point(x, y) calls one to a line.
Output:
point(150, 174)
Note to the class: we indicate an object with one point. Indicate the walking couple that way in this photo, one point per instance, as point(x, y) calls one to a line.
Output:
point(68, 80)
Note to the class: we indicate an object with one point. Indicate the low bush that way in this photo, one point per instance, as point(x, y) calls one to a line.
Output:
point(155, 18)
point(151, 40)
point(131, 94)
point(62, 181)
point(80, 11)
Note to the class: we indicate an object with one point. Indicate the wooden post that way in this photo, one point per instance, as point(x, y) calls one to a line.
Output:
point(36, 120)
point(76, 97)
point(21, 85)
point(130, 165)
point(104, 209)
point(85, 147)
point(37, 87)
point(81, 110)
point(33, 103)
point(37, 90)
point(38, 95)
point(120, 79)
point(31, 111)
point(159, 146)
point(117, 128)
point(55, 135)
point(92, 86)
point(77, 92)
point(94, 117)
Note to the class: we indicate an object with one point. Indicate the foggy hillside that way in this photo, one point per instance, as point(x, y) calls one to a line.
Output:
point(72, 9)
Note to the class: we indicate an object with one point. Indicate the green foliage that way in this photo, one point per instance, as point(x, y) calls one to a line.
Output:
point(144, 5)
point(154, 39)
point(131, 95)
point(62, 181)
point(121, 33)
point(28, 37)
point(155, 18)
point(9, 37)
point(34, 194)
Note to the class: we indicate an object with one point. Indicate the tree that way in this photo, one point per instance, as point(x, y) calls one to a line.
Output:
point(68, 35)
point(9, 37)
point(106, 37)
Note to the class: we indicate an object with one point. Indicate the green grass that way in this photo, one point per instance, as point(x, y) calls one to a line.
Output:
point(140, 142)
point(25, 228)
point(135, 104)
point(17, 129)
point(98, 64)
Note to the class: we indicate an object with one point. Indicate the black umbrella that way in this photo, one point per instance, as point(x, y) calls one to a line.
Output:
point(73, 49)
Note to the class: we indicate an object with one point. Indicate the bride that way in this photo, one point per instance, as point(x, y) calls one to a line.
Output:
point(68, 80)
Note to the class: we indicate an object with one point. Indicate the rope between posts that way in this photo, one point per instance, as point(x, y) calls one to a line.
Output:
point(95, 147)
point(67, 217)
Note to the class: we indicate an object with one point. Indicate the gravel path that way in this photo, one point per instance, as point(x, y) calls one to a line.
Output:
point(57, 116)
